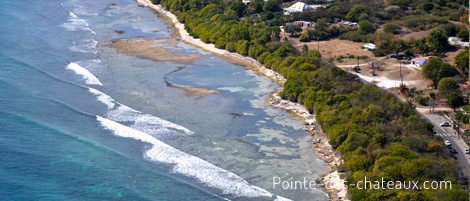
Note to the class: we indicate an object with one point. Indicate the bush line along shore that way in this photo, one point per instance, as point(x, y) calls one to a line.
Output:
point(377, 135)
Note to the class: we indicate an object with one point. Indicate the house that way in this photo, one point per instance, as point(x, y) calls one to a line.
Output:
point(457, 42)
point(351, 24)
point(303, 23)
point(369, 46)
point(300, 7)
point(249, 1)
point(419, 61)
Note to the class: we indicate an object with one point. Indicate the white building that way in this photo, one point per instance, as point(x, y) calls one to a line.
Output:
point(369, 46)
point(248, 1)
point(300, 7)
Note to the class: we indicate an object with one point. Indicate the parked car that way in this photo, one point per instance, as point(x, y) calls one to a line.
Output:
point(453, 151)
point(466, 151)
point(445, 123)
point(448, 143)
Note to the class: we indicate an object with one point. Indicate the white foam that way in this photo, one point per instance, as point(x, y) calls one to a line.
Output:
point(95, 66)
point(142, 122)
point(154, 124)
point(107, 100)
point(123, 113)
point(75, 23)
point(81, 10)
point(82, 48)
point(232, 89)
point(189, 165)
point(89, 78)
point(72, 15)
point(248, 114)
point(88, 46)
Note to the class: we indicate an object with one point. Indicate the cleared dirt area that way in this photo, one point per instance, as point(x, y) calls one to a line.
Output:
point(415, 35)
point(387, 76)
point(334, 48)
point(450, 56)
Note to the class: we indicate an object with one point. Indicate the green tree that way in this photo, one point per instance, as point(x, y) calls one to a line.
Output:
point(420, 45)
point(398, 45)
point(256, 6)
point(435, 69)
point(463, 115)
point(243, 48)
point(430, 69)
point(304, 49)
point(292, 29)
point(447, 70)
point(366, 27)
point(437, 40)
point(427, 6)
point(304, 38)
point(239, 7)
point(447, 85)
point(320, 29)
point(461, 61)
point(356, 12)
point(455, 100)
point(392, 28)
point(272, 6)
point(463, 34)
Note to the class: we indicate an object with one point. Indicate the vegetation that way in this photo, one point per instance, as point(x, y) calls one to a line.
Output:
point(463, 114)
point(463, 34)
point(435, 69)
point(461, 62)
point(392, 28)
point(377, 134)
point(455, 100)
point(447, 86)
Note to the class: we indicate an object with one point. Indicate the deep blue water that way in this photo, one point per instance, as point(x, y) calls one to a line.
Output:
point(79, 121)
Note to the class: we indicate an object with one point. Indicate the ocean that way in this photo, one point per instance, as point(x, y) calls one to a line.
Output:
point(81, 121)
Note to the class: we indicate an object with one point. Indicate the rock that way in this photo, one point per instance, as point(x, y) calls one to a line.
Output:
point(234, 115)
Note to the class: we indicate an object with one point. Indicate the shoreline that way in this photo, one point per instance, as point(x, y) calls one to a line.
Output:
point(323, 149)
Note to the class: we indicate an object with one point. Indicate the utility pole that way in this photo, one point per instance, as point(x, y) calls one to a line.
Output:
point(430, 105)
point(318, 43)
point(401, 74)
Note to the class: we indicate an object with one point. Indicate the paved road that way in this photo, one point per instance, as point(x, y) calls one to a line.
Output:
point(448, 133)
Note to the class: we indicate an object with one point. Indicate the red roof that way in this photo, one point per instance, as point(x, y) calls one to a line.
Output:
point(420, 58)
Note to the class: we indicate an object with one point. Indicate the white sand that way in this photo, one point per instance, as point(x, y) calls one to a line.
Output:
point(330, 157)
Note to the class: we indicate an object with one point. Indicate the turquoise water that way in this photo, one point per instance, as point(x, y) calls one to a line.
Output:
point(79, 121)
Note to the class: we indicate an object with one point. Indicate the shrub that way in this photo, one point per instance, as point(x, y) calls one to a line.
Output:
point(392, 28)
point(304, 38)
point(463, 34)
point(422, 100)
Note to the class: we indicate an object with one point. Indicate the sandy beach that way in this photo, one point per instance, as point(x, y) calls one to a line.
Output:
point(321, 145)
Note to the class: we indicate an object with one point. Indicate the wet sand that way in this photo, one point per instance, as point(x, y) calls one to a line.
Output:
point(152, 49)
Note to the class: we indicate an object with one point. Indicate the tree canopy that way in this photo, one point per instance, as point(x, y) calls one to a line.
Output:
point(461, 61)
point(356, 12)
point(447, 86)
point(435, 69)
point(437, 40)
point(366, 27)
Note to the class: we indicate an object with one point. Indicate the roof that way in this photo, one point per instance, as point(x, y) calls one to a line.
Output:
point(421, 62)
point(457, 41)
point(299, 7)
point(420, 59)
point(369, 45)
